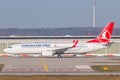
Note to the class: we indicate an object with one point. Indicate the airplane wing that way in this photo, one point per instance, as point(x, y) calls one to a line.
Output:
point(62, 50)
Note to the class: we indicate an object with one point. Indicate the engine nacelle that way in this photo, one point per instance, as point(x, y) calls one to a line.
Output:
point(47, 53)
point(68, 55)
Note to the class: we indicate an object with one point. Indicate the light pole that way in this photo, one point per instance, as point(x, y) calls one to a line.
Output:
point(94, 13)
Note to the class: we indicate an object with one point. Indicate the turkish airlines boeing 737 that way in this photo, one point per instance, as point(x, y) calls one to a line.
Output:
point(51, 49)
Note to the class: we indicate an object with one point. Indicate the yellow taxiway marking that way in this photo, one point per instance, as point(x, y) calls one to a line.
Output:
point(44, 65)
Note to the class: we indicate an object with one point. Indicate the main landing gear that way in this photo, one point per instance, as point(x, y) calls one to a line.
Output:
point(59, 56)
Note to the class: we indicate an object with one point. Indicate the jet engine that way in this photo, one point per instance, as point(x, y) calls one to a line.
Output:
point(47, 53)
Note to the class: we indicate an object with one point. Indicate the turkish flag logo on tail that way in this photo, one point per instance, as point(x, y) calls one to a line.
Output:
point(105, 35)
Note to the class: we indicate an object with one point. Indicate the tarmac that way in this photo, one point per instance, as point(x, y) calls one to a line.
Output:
point(55, 66)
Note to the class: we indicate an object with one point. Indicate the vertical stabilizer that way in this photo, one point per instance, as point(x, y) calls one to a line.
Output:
point(105, 35)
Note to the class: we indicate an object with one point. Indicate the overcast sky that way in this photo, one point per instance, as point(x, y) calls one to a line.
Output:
point(57, 13)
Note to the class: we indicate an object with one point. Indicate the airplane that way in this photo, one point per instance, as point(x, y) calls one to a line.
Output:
point(75, 47)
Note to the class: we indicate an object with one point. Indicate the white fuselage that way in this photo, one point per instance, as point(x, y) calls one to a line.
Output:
point(53, 47)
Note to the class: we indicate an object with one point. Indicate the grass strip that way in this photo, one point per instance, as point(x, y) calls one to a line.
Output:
point(1, 67)
point(106, 68)
point(61, 77)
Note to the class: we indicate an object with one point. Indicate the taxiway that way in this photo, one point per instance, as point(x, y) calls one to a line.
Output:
point(55, 66)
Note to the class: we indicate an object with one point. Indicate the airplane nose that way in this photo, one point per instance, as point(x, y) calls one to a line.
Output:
point(7, 50)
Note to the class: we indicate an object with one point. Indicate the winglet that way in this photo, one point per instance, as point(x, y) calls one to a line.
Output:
point(75, 43)
point(105, 35)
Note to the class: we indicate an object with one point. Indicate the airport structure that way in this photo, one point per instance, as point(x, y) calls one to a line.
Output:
point(7, 41)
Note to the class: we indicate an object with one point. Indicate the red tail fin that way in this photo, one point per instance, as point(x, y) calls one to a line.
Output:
point(105, 35)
